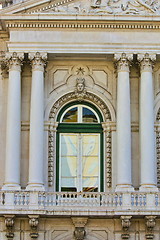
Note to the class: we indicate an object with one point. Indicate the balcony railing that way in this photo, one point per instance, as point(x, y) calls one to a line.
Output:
point(68, 203)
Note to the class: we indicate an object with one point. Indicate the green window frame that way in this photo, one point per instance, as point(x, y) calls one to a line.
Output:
point(81, 128)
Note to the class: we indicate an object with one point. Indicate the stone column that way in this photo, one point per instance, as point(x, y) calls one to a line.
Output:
point(36, 181)
point(123, 122)
point(13, 124)
point(147, 136)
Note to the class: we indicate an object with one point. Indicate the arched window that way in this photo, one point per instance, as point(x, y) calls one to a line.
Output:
point(79, 148)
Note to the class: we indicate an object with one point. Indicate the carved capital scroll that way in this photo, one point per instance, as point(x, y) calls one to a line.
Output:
point(123, 61)
point(146, 61)
point(38, 60)
point(14, 60)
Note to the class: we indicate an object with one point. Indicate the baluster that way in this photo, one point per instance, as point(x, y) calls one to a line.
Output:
point(156, 200)
point(15, 198)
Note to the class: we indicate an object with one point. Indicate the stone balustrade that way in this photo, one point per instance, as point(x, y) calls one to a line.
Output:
point(67, 203)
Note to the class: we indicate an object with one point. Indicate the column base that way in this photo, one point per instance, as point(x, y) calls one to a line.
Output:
point(11, 186)
point(124, 188)
point(148, 188)
point(35, 187)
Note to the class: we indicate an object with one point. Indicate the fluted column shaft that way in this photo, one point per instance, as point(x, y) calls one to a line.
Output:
point(123, 122)
point(147, 136)
point(36, 181)
point(13, 125)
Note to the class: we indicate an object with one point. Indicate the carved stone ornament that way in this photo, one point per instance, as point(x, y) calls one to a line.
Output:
point(14, 60)
point(79, 223)
point(158, 148)
point(80, 90)
point(123, 61)
point(51, 137)
point(126, 222)
point(120, 7)
point(79, 233)
point(38, 60)
point(150, 224)
point(146, 61)
point(33, 222)
point(72, 97)
point(9, 222)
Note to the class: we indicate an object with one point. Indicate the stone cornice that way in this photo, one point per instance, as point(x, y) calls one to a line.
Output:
point(81, 23)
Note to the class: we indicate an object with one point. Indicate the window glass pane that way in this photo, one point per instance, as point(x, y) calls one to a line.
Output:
point(91, 145)
point(71, 115)
point(88, 116)
point(69, 182)
point(90, 184)
point(90, 166)
point(68, 145)
point(90, 162)
point(69, 166)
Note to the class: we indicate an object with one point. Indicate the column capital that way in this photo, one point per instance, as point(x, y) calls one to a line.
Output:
point(38, 60)
point(14, 60)
point(146, 61)
point(123, 61)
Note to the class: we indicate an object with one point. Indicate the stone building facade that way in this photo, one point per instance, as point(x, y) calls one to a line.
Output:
point(80, 119)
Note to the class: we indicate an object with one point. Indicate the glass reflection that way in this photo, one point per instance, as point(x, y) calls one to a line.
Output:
point(71, 115)
point(89, 116)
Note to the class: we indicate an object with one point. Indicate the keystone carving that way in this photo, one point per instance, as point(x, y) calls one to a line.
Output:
point(9, 222)
point(80, 90)
point(126, 222)
point(150, 224)
point(33, 222)
point(79, 223)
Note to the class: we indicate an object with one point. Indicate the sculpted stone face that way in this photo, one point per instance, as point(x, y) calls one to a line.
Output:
point(80, 87)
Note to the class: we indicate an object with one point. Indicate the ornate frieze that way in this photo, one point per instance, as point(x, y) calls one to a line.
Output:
point(146, 61)
point(38, 60)
point(9, 222)
point(123, 61)
point(120, 7)
point(14, 60)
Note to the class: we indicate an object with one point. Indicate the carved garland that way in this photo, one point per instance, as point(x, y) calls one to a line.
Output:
point(109, 158)
point(52, 132)
point(158, 149)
